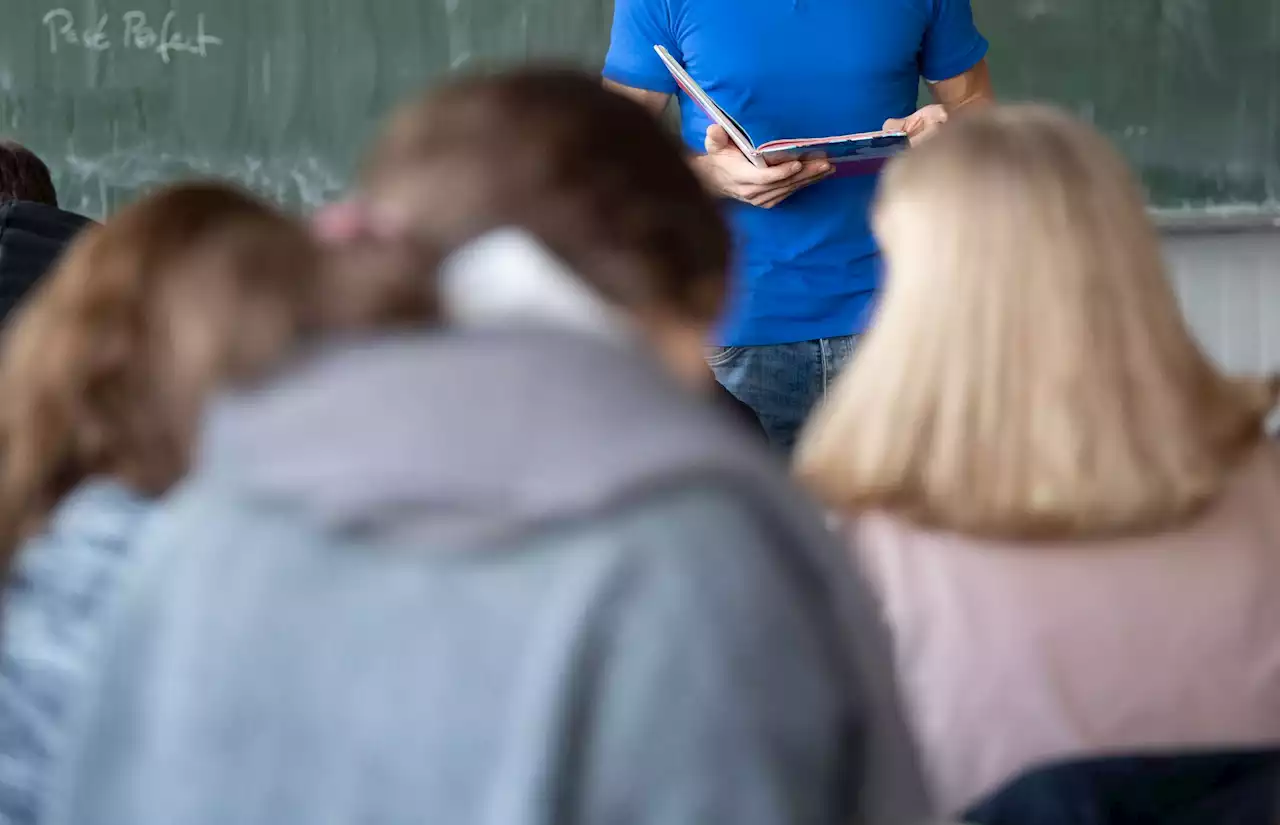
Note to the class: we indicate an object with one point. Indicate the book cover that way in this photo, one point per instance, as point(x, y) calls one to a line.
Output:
point(863, 153)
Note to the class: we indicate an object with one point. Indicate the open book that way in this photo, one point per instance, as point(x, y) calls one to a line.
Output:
point(859, 154)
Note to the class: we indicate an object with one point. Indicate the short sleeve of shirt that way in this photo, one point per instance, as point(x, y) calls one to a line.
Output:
point(638, 26)
point(952, 43)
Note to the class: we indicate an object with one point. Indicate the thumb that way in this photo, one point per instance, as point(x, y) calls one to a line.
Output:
point(895, 124)
point(717, 139)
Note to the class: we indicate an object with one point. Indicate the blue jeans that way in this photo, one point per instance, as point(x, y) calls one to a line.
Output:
point(782, 382)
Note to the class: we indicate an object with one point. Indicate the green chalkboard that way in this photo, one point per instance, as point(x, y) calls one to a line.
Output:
point(120, 95)
point(1190, 89)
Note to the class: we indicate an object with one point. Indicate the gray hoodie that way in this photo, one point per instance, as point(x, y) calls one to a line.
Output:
point(494, 578)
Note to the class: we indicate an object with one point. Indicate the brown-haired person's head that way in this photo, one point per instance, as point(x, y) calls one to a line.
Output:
point(592, 175)
point(107, 366)
point(1029, 372)
point(23, 176)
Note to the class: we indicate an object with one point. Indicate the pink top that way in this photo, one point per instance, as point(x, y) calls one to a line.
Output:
point(1009, 656)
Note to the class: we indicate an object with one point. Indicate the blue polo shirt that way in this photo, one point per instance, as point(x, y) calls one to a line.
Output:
point(809, 267)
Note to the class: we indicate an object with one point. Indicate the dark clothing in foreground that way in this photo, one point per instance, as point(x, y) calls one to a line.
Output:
point(32, 236)
point(1239, 788)
point(507, 578)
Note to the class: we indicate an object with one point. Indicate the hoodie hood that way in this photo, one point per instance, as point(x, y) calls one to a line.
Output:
point(467, 432)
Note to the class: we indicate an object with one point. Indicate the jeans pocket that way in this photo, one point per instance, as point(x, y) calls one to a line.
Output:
point(721, 356)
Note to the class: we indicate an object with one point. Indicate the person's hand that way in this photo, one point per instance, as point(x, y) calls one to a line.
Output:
point(727, 172)
point(920, 126)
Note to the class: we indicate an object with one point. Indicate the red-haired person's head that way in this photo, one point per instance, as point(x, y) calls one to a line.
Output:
point(108, 364)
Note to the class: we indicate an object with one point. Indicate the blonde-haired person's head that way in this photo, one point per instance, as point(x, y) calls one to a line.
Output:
point(1029, 372)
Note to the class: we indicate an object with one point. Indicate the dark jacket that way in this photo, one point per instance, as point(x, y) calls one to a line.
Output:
point(32, 236)
point(1239, 788)
point(491, 578)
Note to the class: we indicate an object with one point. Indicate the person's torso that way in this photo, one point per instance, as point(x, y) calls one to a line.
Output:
point(802, 69)
point(1010, 656)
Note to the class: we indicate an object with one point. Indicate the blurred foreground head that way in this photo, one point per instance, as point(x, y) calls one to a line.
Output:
point(588, 173)
point(1030, 372)
point(105, 369)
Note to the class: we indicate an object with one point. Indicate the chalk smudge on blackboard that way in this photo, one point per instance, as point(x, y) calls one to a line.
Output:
point(301, 181)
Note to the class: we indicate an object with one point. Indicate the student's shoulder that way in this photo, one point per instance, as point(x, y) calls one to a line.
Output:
point(695, 502)
point(713, 526)
point(94, 525)
point(200, 532)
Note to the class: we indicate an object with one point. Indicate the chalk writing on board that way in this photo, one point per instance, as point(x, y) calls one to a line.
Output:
point(136, 34)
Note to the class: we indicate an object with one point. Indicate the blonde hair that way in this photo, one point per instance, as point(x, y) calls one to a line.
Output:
point(1029, 372)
